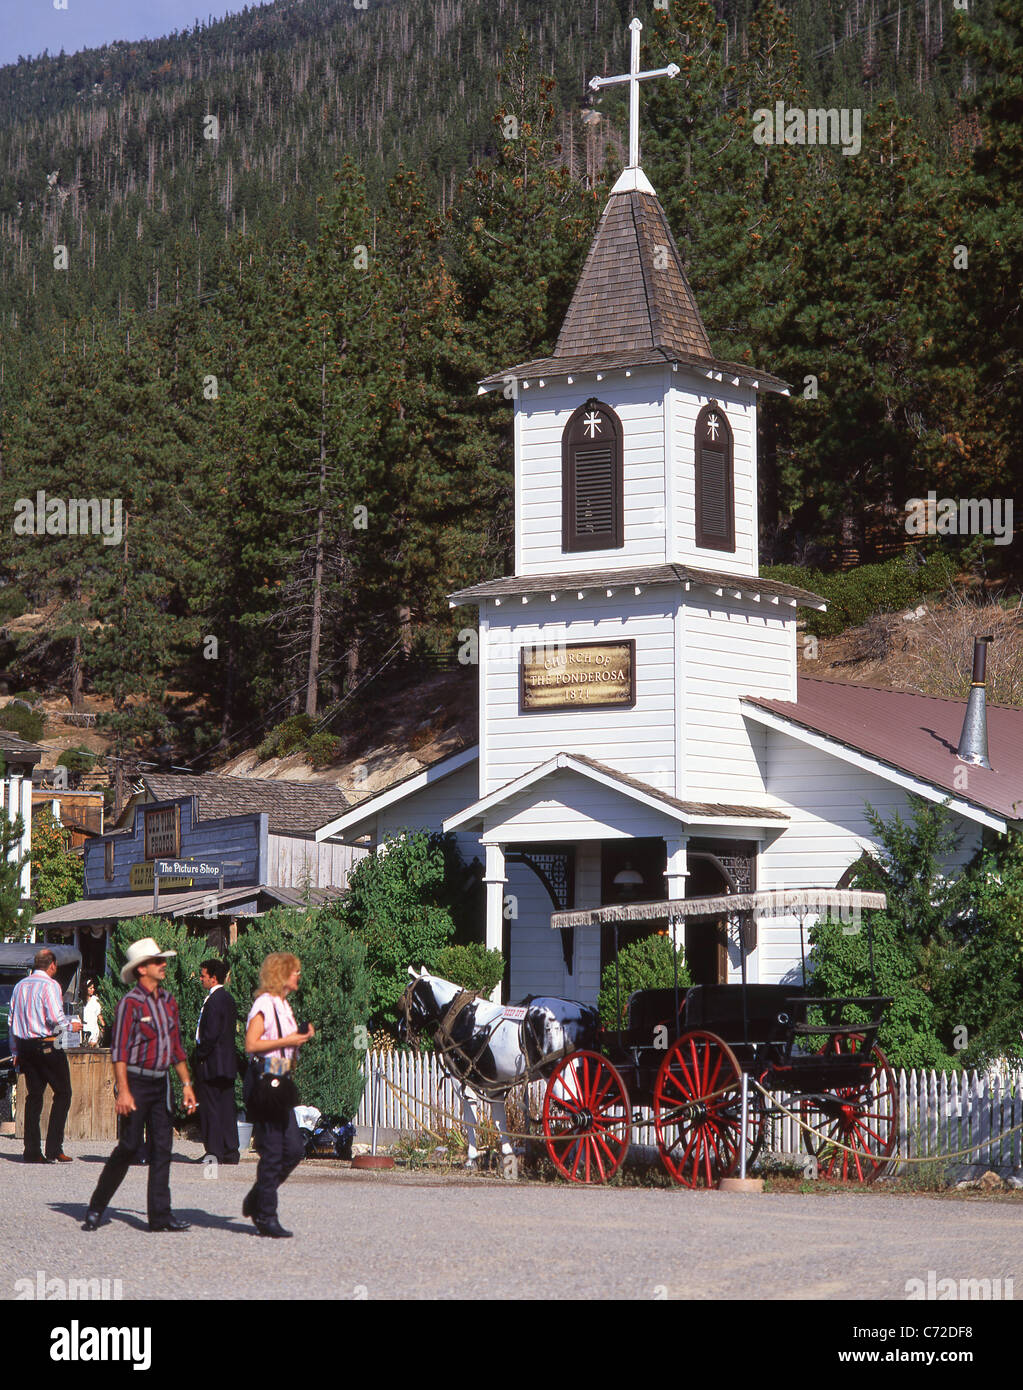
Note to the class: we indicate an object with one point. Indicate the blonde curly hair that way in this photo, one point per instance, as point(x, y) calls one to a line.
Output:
point(275, 972)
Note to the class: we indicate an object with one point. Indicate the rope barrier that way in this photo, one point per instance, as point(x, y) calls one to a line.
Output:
point(891, 1158)
point(825, 1139)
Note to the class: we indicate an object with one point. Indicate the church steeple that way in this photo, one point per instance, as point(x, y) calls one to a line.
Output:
point(633, 293)
point(633, 305)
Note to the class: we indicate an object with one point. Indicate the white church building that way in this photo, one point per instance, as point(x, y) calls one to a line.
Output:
point(643, 732)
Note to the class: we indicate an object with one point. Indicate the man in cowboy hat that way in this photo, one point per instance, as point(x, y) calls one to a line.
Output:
point(146, 1042)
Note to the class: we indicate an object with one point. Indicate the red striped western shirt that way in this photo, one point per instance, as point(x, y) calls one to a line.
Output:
point(37, 1007)
point(146, 1030)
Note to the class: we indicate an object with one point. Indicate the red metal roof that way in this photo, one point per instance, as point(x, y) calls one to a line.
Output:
point(917, 734)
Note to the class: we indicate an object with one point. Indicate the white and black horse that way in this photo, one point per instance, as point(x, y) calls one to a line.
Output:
point(489, 1048)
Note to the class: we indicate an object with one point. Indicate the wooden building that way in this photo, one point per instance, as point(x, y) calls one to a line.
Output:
point(261, 833)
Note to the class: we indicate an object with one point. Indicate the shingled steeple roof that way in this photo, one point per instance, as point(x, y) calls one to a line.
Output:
point(633, 292)
point(633, 305)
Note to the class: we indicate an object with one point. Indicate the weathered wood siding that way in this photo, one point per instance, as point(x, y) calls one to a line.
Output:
point(242, 838)
point(688, 396)
point(639, 741)
point(541, 416)
point(294, 862)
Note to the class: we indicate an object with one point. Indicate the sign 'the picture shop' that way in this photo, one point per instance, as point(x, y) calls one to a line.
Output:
point(578, 675)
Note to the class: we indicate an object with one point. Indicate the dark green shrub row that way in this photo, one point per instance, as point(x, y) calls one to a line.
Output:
point(856, 595)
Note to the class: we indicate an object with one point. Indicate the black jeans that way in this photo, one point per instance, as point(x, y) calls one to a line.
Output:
point(152, 1107)
point(281, 1149)
point(42, 1064)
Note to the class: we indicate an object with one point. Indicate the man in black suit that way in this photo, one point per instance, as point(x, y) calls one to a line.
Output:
point(217, 1065)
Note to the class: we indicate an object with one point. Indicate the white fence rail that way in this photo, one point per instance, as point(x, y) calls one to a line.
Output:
point(939, 1112)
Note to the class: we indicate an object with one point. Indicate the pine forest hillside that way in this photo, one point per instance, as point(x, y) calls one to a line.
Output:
point(251, 273)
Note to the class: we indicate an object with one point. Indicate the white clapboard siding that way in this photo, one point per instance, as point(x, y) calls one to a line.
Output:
point(537, 964)
point(428, 808)
point(638, 740)
point(568, 805)
point(541, 417)
point(729, 649)
point(294, 862)
point(686, 400)
point(939, 1112)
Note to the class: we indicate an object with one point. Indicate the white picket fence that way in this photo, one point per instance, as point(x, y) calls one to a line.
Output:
point(939, 1112)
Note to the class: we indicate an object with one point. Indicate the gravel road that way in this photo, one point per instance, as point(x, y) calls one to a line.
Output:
point(398, 1235)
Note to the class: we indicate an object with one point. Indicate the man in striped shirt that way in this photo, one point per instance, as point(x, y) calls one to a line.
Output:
point(38, 1029)
point(146, 1043)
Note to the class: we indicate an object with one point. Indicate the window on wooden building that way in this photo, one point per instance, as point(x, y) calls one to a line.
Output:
point(715, 510)
point(592, 480)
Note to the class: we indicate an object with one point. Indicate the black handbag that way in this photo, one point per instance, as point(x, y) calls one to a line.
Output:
point(269, 1090)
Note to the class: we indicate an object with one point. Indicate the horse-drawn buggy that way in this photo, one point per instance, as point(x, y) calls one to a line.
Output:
point(700, 1068)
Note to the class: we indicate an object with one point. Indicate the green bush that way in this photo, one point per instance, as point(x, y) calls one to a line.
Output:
point(334, 996)
point(12, 603)
point(31, 697)
point(406, 903)
point(855, 595)
point(292, 734)
point(77, 760)
point(323, 749)
point(471, 966)
point(23, 722)
point(646, 964)
point(947, 947)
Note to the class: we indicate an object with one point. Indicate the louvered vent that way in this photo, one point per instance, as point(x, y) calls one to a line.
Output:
point(714, 494)
point(592, 480)
point(715, 519)
point(594, 491)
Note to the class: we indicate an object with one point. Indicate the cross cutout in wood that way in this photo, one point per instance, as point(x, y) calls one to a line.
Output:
point(634, 77)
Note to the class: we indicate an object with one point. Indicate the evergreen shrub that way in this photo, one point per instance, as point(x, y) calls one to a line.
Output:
point(646, 964)
point(77, 760)
point(323, 749)
point(334, 995)
point(12, 603)
point(854, 596)
point(472, 966)
point(287, 737)
point(23, 722)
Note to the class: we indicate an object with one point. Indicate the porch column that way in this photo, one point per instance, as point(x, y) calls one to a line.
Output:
point(26, 841)
point(677, 870)
point(495, 878)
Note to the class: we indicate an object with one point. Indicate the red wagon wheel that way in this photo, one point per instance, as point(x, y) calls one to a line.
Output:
point(698, 1111)
point(587, 1122)
point(864, 1117)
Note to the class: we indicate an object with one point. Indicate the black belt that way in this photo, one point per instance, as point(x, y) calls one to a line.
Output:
point(145, 1071)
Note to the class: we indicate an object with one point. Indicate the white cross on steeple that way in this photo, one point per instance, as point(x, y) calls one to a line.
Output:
point(634, 77)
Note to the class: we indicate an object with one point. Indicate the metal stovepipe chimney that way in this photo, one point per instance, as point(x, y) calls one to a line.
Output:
point(973, 739)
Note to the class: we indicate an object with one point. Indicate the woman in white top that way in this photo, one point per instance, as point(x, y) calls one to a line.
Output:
point(92, 1015)
point(271, 1030)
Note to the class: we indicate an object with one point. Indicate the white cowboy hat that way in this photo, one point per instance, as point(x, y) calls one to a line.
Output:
point(138, 953)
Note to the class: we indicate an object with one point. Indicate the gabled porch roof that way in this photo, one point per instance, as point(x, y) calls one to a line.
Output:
point(687, 813)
